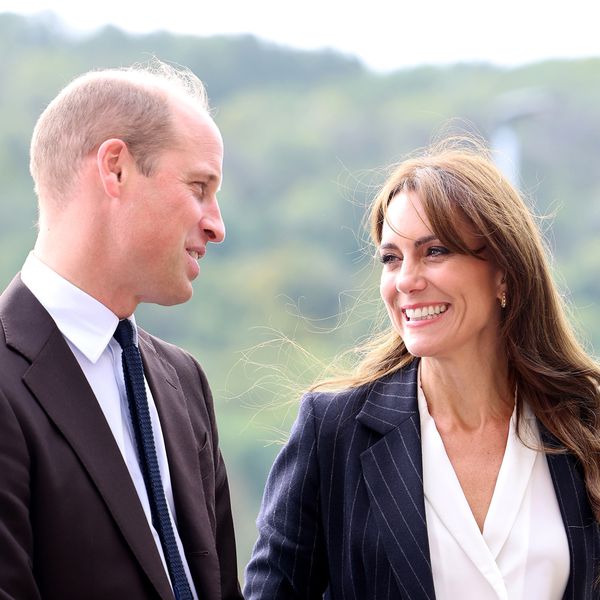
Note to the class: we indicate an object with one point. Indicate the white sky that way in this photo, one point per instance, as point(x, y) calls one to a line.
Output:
point(385, 34)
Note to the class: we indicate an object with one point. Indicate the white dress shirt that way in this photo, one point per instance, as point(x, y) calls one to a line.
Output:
point(88, 327)
point(523, 551)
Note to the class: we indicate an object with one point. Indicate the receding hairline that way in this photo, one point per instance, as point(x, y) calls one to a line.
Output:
point(173, 83)
point(107, 96)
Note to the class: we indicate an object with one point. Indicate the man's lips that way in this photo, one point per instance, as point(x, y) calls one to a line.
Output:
point(195, 252)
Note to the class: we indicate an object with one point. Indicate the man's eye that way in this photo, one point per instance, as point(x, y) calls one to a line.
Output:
point(200, 189)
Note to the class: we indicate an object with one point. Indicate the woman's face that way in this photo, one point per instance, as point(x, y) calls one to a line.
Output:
point(443, 304)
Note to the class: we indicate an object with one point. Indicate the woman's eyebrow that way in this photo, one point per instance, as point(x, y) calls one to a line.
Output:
point(418, 242)
point(425, 240)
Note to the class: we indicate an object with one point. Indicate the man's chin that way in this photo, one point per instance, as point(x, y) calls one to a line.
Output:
point(173, 297)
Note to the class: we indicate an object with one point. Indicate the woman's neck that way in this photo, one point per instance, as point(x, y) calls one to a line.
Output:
point(467, 395)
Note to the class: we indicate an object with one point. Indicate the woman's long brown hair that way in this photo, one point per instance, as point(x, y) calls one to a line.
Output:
point(458, 184)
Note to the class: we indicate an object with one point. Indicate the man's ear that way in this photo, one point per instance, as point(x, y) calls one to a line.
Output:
point(113, 161)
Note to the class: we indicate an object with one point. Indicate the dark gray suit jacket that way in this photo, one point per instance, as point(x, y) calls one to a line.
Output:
point(343, 515)
point(71, 523)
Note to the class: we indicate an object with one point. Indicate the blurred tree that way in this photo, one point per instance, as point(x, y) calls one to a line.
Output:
point(307, 138)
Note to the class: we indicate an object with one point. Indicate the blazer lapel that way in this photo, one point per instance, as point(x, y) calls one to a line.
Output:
point(59, 385)
point(580, 525)
point(195, 525)
point(393, 473)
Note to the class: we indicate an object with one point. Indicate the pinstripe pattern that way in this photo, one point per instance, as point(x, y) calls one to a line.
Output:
point(582, 530)
point(343, 514)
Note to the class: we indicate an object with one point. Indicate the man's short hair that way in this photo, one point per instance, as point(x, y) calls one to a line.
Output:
point(133, 104)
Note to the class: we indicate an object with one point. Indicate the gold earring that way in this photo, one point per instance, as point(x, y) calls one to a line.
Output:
point(503, 300)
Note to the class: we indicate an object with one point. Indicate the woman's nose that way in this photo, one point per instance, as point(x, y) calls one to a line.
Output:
point(409, 277)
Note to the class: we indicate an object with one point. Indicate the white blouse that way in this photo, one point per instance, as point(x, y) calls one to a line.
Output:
point(523, 552)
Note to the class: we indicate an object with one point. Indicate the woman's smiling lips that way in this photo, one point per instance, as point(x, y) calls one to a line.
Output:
point(424, 312)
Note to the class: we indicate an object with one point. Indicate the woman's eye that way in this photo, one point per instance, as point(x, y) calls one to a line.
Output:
point(434, 251)
point(388, 258)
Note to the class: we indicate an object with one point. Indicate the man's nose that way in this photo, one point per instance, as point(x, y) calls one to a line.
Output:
point(213, 225)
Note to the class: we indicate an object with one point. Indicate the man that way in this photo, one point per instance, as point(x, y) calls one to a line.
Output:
point(112, 485)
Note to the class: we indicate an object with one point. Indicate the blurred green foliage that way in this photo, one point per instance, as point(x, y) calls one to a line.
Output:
point(307, 137)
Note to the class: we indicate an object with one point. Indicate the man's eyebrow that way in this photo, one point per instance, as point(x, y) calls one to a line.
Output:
point(418, 242)
point(204, 177)
point(200, 177)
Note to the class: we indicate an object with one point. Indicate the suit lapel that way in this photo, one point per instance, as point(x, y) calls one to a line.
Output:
point(392, 469)
point(194, 521)
point(60, 387)
point(578, 519)
point(393, 473)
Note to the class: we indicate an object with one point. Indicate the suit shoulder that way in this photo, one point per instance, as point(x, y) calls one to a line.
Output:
point(336, 406)
point(393, 392)
point(181, 360)
point(165, 349)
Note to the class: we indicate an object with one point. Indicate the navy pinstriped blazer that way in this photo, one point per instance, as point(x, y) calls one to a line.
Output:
point(343, 514)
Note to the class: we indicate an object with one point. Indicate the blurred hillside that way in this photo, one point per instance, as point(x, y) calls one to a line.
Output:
point(307, 135)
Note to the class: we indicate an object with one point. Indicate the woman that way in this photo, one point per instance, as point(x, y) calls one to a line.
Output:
point(460, 458)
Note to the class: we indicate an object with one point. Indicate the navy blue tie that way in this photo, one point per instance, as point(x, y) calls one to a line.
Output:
point(144, 438)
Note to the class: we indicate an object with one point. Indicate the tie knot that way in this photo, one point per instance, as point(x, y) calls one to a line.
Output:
point(124, 333)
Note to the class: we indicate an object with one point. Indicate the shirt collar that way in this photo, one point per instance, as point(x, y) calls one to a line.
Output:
point(83, 320)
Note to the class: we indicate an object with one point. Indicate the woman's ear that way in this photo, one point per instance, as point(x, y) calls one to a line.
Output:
point(501, 279)
point(113, 161)
point(501, 287)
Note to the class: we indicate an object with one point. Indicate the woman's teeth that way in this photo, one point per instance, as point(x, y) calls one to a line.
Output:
point(424, 312)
